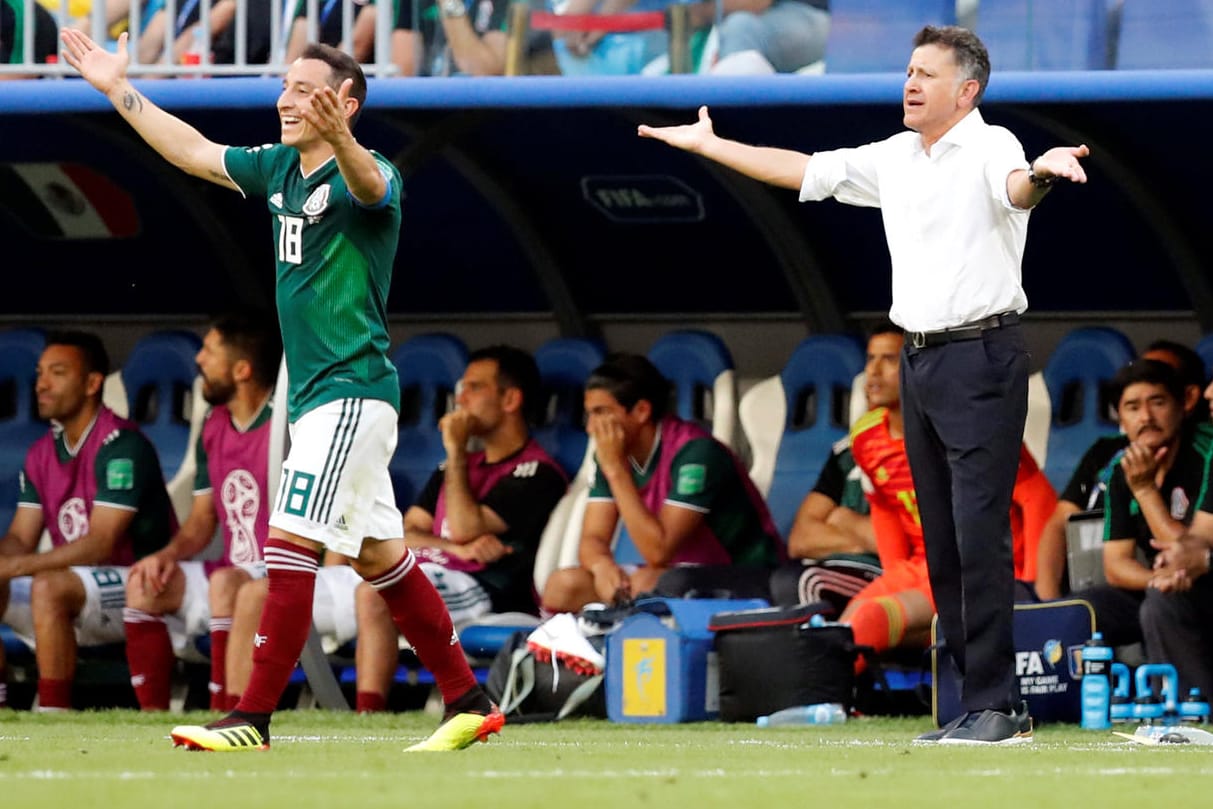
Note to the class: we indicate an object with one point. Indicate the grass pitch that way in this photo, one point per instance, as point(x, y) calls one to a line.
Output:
point(339, 760)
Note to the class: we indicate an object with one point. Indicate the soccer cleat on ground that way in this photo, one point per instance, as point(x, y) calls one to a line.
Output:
point(460, 731)
point(223, 736)
point(992, 727)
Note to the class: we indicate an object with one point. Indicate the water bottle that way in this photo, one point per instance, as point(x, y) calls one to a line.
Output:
point(1096, 686)
point(1195, 708)
point(823, 713)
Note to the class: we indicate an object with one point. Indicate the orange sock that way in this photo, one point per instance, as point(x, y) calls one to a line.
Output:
point(878, 622)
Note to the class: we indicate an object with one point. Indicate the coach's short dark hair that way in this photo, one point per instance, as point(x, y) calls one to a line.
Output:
point(972, 58)
point(1191, 367)
point(630, 378)
point(515, 369)
point(253, 335)
point(96, 358)
point(343, 66)
point(1149, 372)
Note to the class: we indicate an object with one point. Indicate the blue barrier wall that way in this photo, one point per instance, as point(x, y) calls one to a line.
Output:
point(535, 196)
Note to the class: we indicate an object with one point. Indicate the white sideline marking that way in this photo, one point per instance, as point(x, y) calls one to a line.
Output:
point(564, 774)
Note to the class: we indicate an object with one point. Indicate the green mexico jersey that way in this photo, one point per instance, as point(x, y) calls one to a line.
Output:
point(334, 266)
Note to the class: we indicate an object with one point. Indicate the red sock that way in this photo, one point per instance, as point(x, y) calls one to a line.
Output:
point(54, 694)
point(878, 622)
point(285, 623)
point(220, 629)
point(370, 702)
point(421, 616)
point(149, 654)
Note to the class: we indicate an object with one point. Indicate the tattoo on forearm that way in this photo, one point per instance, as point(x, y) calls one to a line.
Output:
point(132, 101)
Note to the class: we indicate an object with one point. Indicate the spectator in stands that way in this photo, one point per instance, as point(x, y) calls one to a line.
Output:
point(12, 36)
point(94, 483)
point(475, 528)
point(965, 375)
point(238, 363)
point(685, 499)
point(1087, 486)
point(187, 32)
point(1159, 487)
point(603, 53)
point(429, 37)
point(766, 36)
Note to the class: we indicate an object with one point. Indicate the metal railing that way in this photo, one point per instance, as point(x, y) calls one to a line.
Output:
point(282, 14)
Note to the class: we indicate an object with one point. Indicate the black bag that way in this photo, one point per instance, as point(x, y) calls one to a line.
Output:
point(529, 690)
point(771, 659)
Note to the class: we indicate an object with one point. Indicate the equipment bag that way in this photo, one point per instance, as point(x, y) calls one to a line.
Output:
point(1048, 661)
point(771, 659)
point(530, 690)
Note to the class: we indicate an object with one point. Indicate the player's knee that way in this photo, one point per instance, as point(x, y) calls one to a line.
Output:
point(565, 588)
point(56, 591)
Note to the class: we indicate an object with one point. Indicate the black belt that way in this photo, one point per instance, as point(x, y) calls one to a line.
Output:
point(969, 331)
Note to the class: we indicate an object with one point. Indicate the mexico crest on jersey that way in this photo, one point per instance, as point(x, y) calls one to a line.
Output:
point(317, 201)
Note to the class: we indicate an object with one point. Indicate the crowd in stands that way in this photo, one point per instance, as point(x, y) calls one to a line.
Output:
point(596, 37)
point(94, 555)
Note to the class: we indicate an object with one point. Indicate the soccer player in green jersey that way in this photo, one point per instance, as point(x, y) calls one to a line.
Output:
point(336, 222)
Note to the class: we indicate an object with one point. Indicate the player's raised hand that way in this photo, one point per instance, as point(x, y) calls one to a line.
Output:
point(325, 110)
point(690, 137)
point(99, 67)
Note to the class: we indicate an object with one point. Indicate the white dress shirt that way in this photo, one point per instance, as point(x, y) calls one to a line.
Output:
point(955, 240)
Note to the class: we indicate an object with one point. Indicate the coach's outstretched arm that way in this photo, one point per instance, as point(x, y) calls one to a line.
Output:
point(175, 140)
point(781, 167)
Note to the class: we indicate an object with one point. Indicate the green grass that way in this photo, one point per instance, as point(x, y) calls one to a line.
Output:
point(339, 760)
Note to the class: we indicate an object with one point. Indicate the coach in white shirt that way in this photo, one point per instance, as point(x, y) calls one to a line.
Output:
point(955, 194)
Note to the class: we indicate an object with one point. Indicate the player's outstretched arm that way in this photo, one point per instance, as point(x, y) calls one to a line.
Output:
point(175, 140)
point(780, 167)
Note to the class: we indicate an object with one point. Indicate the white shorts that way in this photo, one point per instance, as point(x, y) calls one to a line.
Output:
point(193, 619)
point(335, 488)
point(465, 599)
point(333, 612)
point(99, 621)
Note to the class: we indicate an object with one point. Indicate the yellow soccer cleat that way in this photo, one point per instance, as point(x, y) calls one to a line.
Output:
point(233, 737)
point(460, 731)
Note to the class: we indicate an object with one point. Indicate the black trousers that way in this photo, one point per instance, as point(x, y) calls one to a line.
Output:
point(964, 405)
point(1178, 629)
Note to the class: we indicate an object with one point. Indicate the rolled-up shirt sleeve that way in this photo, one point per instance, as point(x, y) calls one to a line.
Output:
point(848, 175)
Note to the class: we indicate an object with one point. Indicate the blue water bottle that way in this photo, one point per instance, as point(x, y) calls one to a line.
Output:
point(1096, 684)
point(822, 713)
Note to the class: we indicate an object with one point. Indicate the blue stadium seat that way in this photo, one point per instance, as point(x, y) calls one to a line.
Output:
point(1076, 375)
point(791, 420)
point(873, 36)
point(1205, 349)
point(564, 365)
point(20, 426)
point(158, 377)
point(430, 366)
point(1044, 34)
point(699, 365)
point(1174, 34)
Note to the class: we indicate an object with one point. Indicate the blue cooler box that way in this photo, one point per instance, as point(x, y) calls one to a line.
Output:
point(660, 666)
